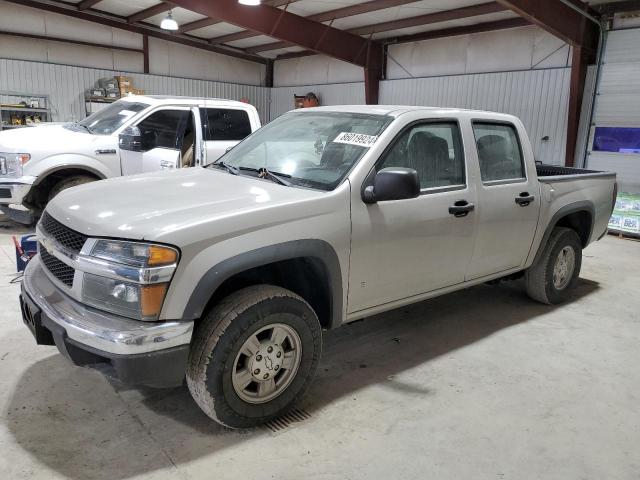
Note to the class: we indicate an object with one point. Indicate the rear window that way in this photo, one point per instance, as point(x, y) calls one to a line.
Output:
point(224, 124)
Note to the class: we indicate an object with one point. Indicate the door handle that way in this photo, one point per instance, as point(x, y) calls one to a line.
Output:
point(461, 208)
point(524, 199)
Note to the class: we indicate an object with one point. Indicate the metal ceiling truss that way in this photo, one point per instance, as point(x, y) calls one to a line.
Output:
point(554, 16)
point(427, 19)
point(72, 10)
point(331, 15)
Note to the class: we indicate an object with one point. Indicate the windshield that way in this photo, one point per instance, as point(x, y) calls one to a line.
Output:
point(109, 119)
point(313, 149)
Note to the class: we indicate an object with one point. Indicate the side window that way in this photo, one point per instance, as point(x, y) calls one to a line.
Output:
point(224, 124)
point(434, 150)
point(499, 151)
point(161, 129)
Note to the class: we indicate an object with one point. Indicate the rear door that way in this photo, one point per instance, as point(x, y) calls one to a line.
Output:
point(508, 200)
point(222, 129)
point(161, 136)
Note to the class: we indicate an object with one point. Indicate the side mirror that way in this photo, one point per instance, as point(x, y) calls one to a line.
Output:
point(130, 139)
point(392, 183)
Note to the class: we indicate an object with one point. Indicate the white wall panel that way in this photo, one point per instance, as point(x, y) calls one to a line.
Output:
point(335, 94)
point(16, 18)
point(314, 69)
point(166, 58)
point(66, 86)
point(175, 60)
point(538, 97)
point(503, 50)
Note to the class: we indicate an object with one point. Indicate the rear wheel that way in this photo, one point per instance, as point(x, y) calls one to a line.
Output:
point(254, 356)
point(551, 279)
point(69, 182)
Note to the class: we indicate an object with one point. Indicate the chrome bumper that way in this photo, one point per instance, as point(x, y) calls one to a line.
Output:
point(98, 330)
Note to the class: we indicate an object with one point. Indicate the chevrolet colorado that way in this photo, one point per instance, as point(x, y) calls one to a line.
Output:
point(227, 275)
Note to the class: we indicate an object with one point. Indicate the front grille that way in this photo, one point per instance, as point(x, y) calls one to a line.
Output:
point(5, 193)
point(63, 235)
point(60, 270)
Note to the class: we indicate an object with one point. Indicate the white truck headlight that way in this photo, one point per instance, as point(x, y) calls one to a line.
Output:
point(11, 164)
point(128, 278)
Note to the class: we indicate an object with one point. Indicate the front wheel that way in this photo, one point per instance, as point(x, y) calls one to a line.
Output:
point(69, 182)
point(254, 356)
point(553, 276)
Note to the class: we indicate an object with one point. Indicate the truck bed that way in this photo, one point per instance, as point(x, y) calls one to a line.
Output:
point(558, 173)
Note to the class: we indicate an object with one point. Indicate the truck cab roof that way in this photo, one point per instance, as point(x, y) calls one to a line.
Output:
point(176, 99)
point(397, 110)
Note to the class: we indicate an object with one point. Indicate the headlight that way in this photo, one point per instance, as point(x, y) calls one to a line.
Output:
point(128, 278)
point(11, 164)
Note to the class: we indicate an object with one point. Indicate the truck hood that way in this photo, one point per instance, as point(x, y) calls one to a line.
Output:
point(45, 140)
point(177, 206)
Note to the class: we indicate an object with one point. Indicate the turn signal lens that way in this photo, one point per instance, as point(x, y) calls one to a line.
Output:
point(151, 299)
point(23, 158)
point(159, 256)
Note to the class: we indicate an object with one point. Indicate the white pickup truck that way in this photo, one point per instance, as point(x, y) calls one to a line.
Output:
point(228, 274)
point(133, 135)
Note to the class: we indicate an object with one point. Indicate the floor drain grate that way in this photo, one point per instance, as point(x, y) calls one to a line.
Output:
point(281, 423)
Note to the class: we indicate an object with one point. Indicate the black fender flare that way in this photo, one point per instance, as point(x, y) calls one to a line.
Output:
point(581, 206)
point(224, 270)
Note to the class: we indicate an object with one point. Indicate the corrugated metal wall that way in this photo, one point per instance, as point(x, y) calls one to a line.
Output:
point(66, 85)
point(332, 94)
point(618, 104)
point(538, 97)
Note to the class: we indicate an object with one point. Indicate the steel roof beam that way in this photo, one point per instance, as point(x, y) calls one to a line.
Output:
point(336, 14)
point(558, 19)
point(150, 12)
point(427, 19)
point(206, 22)
point(87, 4)
point(286, 27)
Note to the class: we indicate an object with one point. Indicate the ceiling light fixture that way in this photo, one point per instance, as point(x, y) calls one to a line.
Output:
point(168, 23)
point(251, 3)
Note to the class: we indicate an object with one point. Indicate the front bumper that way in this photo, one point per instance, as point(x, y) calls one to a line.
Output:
point(14, 190)
point(146, 353)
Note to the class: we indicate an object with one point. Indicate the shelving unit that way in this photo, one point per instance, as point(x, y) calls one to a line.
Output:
point(9, 105)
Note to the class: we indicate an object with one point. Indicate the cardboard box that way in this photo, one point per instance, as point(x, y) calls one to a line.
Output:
point(124, 81)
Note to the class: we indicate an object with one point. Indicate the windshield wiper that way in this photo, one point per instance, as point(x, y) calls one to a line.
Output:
point(229, 168)
point(273, 176)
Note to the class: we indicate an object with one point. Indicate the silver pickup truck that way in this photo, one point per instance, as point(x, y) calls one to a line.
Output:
point(227, 275)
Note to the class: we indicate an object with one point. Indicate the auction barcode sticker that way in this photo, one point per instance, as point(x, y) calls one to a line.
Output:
point(359, 139)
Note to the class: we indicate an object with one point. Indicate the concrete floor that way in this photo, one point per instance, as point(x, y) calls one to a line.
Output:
point(480, 384)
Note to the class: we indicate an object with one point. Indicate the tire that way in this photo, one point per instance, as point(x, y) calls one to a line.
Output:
point(72, 181)
point(217, 361)
point(539, 278)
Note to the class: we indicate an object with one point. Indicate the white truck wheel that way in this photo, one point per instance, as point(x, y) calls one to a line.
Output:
point(254, 356)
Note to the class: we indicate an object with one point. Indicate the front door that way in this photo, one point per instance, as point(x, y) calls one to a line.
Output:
point(508, 201)
point(404, 248)
point(162, 134)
